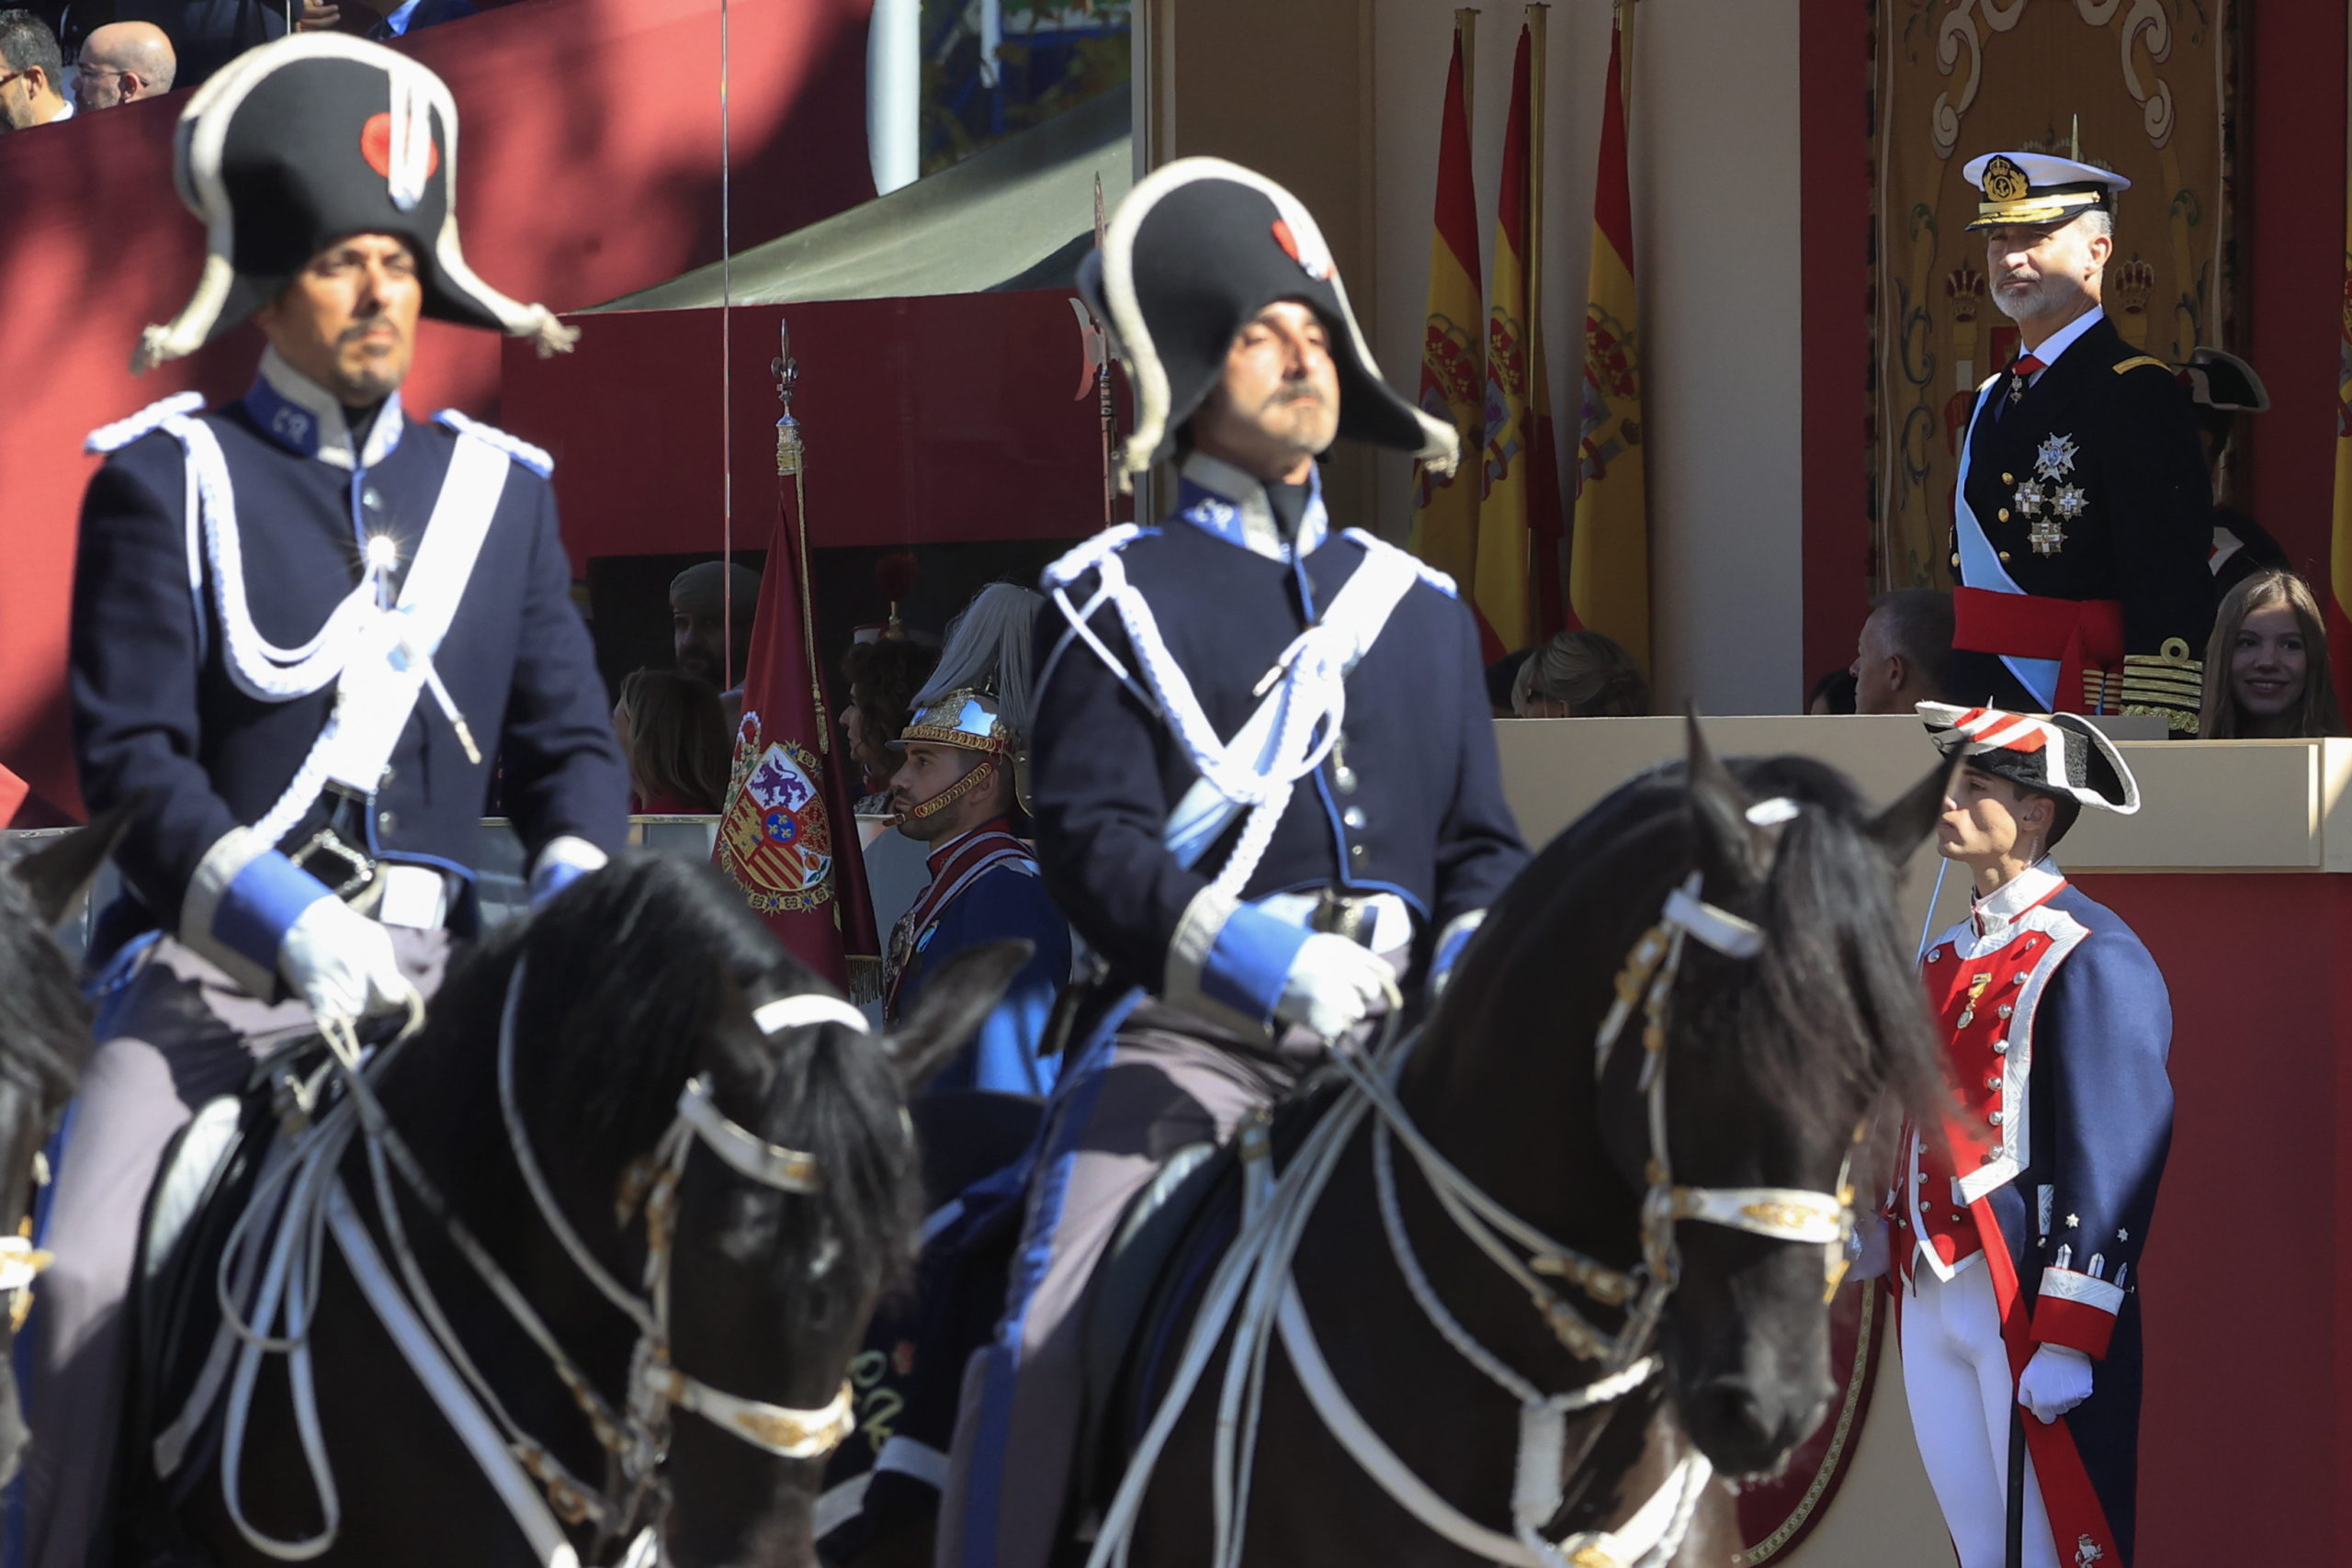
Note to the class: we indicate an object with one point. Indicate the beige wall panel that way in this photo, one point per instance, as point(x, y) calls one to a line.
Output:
point(1715, 176)
point(1284, 87)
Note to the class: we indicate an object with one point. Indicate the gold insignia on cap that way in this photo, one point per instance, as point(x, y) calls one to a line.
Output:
point(2004, 181)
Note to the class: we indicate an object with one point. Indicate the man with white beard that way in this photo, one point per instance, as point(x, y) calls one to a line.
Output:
point(2083, 514)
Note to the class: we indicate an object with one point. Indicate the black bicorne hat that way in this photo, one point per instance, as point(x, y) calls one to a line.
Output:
point(1197, 250)
point(2220, 380)
point(2059, 753)
point(299, 143)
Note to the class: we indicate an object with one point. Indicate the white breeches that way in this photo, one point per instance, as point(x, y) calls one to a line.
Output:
point(1956, 1374)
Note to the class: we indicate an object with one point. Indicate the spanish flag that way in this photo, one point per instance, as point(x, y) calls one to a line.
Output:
point(1454, 373)
point(1608, 554)
point(1520, 506)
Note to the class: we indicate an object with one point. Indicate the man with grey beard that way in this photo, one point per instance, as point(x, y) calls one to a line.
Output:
point(2083, 515)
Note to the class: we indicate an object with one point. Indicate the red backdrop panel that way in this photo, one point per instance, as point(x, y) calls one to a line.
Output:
point(2243, 1437)
point(927, 420)
point(589, 168)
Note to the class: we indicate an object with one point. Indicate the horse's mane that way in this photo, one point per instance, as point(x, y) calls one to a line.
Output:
point(43, 1016)
point(1833, 1003)
point(629, 970)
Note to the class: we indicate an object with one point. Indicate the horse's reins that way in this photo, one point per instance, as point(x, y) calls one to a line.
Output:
point(517, 1465)
point(1258, 1264)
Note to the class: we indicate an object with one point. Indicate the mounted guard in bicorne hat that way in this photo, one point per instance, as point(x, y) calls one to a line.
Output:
point(305, 624)
point(1264, 773)
point(2018, 1224)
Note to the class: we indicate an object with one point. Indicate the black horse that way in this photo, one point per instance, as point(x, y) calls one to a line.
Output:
point(795, 1204)
point(1783, 1013)
point(44, 1040)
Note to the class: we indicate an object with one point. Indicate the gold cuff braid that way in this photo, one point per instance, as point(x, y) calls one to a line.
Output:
point(2168, 685)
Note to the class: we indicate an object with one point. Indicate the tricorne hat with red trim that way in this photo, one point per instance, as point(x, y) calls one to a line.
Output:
point(2060, 753)
point(307, 140)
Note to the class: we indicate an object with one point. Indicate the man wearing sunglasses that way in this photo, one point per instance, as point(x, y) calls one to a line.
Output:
point(33, 74)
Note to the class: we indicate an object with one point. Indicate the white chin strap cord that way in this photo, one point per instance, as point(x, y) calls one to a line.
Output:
point(1253, 1293)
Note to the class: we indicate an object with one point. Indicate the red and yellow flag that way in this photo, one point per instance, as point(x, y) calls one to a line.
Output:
point(1453, 372)
point(1608, 554)
point(1518, 517)
point(787, 831)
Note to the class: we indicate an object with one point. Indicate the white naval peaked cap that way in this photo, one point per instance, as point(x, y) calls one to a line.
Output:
point(2037, 187)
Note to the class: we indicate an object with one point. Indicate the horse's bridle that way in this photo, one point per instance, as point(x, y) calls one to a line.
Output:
point(1777, 1214)
point(638, 1439)
point(1252, 1300)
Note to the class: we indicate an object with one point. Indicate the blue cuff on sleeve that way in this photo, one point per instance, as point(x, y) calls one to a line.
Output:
point(261, 904)
point(552, 878)
point(1248, 961)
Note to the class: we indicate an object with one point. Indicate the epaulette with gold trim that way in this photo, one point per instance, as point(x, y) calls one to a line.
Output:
point(2169, 686)
point(2139, 359)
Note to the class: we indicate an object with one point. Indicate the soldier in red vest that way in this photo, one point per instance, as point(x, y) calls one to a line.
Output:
point(2018, 1223)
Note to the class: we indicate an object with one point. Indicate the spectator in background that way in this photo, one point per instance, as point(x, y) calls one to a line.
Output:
point(1832, 695)
point(1904, 655)
point(33, 74)
point(1501, 675)
point(205, 34)
point(882, 678)
point(398, 18)
point(711, 606)
point(123, 63)
point(2265, 666)
point(1579, 675)
point(674, 737)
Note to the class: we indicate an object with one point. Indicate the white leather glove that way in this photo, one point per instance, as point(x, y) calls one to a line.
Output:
point(342, 964)
point(1871, 1248)
point(1332, 984)
point(2054, 1382)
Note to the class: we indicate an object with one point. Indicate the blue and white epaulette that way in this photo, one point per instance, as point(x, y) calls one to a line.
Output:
point(1430, 574)
point(1090, 556)
point(123, 431)
point(536, 458)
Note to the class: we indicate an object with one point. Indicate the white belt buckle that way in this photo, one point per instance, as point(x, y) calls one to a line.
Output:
point(413, 895)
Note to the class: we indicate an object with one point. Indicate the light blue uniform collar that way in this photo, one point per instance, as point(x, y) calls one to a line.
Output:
point(1219, 499)
point(304, 418)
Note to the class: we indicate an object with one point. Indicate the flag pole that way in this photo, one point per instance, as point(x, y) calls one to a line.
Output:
point(1537, 15)
point(1465, 28)
point(791, 463)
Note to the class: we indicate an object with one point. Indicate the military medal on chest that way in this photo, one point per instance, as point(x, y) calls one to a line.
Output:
point(2049, 497)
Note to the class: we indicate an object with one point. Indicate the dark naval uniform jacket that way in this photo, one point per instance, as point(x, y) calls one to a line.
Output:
point(2057, 1026)
point(157, 707)
point(1409, 801)
point(2086, 503)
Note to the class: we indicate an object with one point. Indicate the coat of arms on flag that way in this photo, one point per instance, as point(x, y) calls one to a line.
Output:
point(774, 843)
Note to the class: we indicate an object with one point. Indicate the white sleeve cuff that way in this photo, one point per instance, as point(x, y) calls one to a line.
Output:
point(564, 861)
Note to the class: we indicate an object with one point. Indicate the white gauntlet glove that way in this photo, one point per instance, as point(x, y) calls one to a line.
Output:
point(1332, 985)
point(342, 964)
point(2054, 1382)
point(1871, 1249)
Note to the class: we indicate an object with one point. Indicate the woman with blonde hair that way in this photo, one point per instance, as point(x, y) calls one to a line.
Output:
point(1581, 675)
point(2266, 665)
